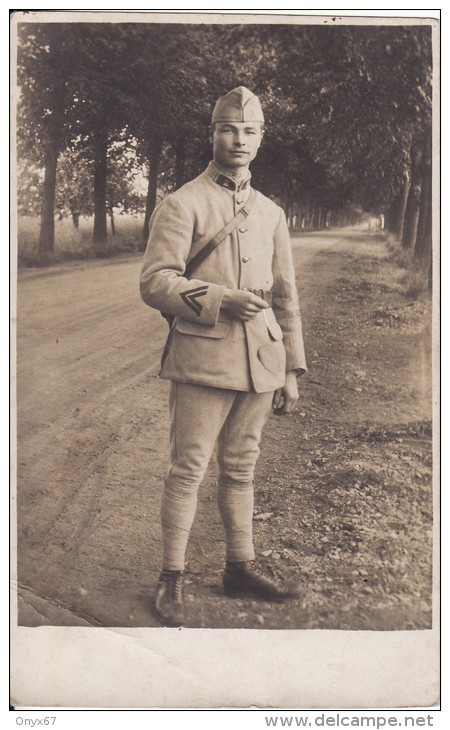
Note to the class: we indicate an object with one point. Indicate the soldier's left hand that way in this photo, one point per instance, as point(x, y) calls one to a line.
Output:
point(285, 398)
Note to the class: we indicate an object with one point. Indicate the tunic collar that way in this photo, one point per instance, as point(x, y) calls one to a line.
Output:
point(225, 180)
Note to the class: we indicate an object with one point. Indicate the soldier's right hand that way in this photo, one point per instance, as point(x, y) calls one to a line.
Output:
point(241, 304)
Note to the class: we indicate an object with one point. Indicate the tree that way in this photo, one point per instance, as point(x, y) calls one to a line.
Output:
point(168, 109)
point(360, 93)
point(103, 92)
point(423, 242)
point(75, 190)
point(45, 56)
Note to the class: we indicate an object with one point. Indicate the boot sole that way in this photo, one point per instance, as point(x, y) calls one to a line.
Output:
point(239, 593)
point(167, 622)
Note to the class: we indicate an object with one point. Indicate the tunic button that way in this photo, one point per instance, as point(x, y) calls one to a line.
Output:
point(242, 230)
point(245, 260)
point(239, 201)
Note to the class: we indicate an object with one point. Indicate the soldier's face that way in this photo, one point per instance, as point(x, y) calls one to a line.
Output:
point(235, 144)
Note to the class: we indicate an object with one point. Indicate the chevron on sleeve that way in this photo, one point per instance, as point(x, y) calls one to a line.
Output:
point(190, 298)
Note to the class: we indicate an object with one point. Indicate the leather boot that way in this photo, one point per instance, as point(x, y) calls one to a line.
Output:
point(170, 597)
point(247, 578)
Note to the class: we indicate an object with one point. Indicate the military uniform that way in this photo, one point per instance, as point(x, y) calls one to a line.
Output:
point(224, 371)
point(208, 348)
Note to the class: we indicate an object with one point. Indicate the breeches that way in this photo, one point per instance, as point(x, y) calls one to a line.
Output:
point(200, 416)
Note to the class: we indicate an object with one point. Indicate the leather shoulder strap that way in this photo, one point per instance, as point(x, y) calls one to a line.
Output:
point(219, 237)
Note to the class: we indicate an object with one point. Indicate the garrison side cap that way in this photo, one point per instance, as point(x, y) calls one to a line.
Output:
point(239, 105)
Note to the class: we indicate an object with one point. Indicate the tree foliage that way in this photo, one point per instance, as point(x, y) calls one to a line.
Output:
point(348, 117)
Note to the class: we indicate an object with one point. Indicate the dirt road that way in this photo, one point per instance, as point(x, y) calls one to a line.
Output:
point(343, 488)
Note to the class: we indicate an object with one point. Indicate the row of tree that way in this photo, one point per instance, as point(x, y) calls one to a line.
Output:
point(348, 117)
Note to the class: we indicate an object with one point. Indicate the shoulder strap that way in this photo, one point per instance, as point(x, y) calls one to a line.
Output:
point(219, 237)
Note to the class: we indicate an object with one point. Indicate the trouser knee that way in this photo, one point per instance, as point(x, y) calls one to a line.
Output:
point(244, 483)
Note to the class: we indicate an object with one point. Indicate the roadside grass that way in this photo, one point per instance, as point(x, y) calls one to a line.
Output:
point(73, 244)
point(397, 296)
point(413, 280)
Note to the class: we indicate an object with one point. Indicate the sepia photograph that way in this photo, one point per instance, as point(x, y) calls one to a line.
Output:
point(226, 404)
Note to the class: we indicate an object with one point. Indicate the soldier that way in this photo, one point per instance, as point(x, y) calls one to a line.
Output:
point(235, 347)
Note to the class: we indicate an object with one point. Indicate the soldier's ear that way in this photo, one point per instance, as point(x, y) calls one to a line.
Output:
point(262, 135)
point(211, 132)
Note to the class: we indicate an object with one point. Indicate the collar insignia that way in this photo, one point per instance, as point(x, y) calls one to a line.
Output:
point(227, 182)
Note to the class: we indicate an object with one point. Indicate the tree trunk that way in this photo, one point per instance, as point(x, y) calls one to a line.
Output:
point(285, 202)
point(423, 247)
point(315, 218)
point(308, 215)
point(398, 224)
point(51, 144)
point(154, 159)
point(100, 172)
point(390, 214)
point(47, 228)
point(74, 212)
point(395, 212)
point(111, 217)
point(321, 217)
point(291, 217)
point(299, 213)
point(413, 204)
